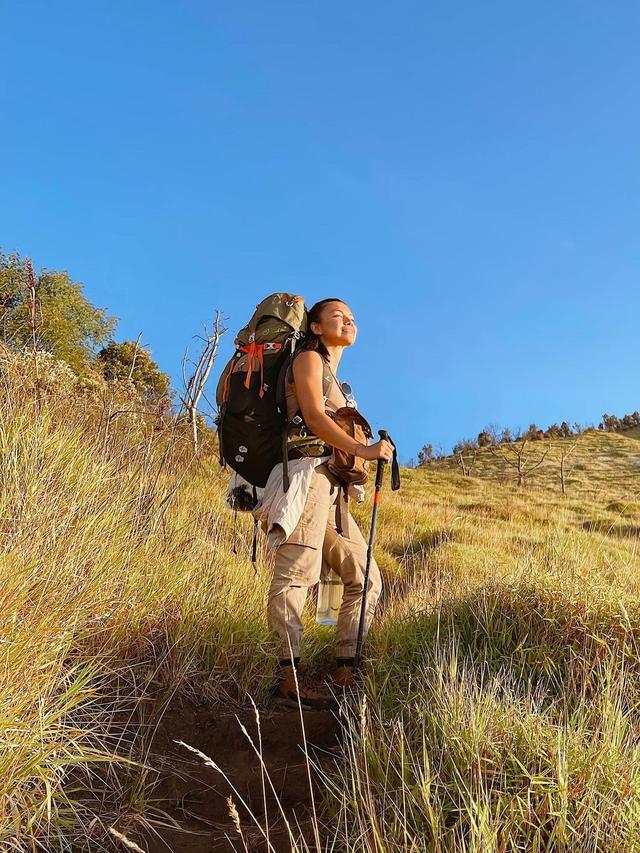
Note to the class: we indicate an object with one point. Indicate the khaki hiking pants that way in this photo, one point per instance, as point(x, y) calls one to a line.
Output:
point(311, 549)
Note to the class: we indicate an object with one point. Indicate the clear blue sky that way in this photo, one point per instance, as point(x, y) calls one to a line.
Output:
point(466, 175)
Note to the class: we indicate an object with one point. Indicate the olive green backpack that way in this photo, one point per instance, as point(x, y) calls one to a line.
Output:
point(250, 418)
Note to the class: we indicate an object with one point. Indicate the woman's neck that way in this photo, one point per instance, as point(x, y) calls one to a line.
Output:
point(335, 354)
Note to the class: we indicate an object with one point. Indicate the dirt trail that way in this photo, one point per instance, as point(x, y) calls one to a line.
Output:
point(195, 795)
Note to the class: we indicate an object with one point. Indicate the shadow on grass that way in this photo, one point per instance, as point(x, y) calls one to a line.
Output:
point(623, 530)
point(532, 637)
point(487, 510)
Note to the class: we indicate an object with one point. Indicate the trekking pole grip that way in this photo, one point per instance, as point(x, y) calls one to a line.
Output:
point(381, 462)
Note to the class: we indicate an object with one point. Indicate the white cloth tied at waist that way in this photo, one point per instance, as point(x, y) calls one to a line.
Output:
point(279, 511)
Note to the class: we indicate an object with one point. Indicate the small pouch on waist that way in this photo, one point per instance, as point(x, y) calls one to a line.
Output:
point(347, 467)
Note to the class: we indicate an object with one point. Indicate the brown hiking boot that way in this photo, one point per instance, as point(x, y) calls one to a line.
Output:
point(310, 696)
point(343, 680)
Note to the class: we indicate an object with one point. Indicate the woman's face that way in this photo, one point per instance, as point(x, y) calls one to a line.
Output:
point(337, 325)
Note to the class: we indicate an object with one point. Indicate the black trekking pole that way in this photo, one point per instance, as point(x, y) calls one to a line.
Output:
point(395, 484)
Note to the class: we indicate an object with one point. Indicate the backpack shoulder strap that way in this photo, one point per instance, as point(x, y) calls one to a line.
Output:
point(327, 375)
point(286, 374)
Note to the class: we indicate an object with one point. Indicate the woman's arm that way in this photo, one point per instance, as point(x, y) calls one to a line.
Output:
point(307, 375)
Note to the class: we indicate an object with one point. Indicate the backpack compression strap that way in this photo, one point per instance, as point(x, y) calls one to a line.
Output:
point(256, 351)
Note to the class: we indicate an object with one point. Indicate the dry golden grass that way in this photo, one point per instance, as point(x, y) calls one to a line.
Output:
point(503, 704)
point(602, 464)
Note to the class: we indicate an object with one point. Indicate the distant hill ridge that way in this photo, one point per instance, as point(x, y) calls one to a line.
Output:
point(493, 435)
point(596, 462)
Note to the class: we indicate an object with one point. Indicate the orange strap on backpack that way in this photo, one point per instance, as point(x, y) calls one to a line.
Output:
point(256, 351)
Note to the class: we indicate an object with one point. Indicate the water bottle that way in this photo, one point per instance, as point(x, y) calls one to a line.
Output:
point(330, 591)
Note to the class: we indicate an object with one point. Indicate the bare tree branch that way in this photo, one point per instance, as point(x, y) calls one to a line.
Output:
point(539, 462)
point(467, 468)
point(32, 287)
point(135, 355)
point(517, 450)
point(194, 386)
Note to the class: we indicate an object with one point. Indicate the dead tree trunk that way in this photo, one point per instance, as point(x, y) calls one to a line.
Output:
point(194, 386)
point(467, 468)
point(515, 455)
point(32, 287)
point(135, 356)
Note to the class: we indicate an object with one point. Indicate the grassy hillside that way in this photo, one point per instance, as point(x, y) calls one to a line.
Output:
point(633, 433)
point(503, 683)
point(602, 465)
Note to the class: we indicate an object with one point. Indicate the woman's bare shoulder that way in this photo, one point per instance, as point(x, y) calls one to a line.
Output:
point(308, 360)
point(307, 368)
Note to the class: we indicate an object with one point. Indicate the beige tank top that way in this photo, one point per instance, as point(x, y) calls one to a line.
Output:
point(334, 397)
point(305, 443)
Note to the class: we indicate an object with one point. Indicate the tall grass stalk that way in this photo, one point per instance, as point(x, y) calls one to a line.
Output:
point(503, 675)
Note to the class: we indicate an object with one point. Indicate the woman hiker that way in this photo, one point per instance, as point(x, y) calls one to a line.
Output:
point(301, 523)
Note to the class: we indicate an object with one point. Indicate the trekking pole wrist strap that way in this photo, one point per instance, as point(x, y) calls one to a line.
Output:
point(395, 468)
